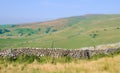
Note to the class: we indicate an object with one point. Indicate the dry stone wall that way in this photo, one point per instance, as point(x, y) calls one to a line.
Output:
point(58, 52)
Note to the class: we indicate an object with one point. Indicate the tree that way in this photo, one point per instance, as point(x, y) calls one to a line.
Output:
point(48, 30)
point(2, 31)
point(13, 25)
point(6, 30)
point(93, 35)
point(39, 29)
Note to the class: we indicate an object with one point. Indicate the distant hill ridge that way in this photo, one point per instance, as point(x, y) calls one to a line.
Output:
point(71, 32)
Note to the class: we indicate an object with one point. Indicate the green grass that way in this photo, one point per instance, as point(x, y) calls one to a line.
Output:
point(73, 32)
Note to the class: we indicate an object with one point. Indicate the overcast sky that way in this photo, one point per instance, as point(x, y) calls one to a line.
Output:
point(26, 11)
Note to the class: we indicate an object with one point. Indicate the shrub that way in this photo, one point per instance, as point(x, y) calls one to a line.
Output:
point(9, 35)
point(39, 29)
point(21, 34)
point(54, 30)
point(13, 25)
point(105, 29)
point(98, 56)
point(29, 34)
point(25, 58)
point(118, 28)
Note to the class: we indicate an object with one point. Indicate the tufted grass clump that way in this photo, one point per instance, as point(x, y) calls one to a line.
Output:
point(101, 55)
point(53, 60)
point(31, 58)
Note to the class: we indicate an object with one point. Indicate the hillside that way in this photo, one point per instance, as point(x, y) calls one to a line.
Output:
point(71, 32)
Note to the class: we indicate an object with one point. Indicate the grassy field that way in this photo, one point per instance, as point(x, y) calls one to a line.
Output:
point(72, 32)
point(101, 65)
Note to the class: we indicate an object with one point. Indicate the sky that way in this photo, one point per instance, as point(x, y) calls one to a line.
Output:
point(30, 11)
